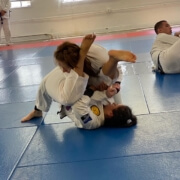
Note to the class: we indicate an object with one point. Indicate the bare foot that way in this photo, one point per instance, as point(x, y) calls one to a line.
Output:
point(87, 42)
point(121, 55)
point(31, 115)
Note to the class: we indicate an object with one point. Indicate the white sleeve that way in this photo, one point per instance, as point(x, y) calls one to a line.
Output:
point(99, 96)
point(72, 88)
point(65, 88)
point(166, 38)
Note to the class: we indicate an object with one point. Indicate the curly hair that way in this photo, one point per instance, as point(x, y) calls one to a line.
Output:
point(122, 117)
point(69, 53)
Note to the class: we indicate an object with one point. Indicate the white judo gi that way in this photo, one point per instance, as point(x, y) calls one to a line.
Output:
point(63, 88)
point(167, 48)
point(67, 88)
point(87, 112)
point(4, 22)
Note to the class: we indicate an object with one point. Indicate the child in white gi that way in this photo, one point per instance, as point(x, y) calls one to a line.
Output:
point(62, 84)
point(165, 50)
point(94, 110)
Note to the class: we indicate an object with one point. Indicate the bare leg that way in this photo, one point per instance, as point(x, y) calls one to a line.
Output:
point(32, 115)
point(121, 55)
point(110, 67)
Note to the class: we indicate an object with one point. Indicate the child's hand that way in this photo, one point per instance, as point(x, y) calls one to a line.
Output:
point(111, 91)
point(117, 86)
point(102, 86)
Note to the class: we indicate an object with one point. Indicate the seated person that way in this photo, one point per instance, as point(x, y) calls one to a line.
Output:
point(165, 50)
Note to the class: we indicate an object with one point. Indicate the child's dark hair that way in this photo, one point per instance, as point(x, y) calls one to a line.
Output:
point(158, 25)
point(122, 117)
point(68, 53)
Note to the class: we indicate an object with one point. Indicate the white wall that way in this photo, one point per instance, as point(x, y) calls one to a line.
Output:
point(99, 16)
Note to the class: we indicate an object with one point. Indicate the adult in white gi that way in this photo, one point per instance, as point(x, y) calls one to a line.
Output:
point(165, 50)
point(4, 20)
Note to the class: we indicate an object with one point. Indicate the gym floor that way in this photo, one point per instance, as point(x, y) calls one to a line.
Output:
point(49, 148)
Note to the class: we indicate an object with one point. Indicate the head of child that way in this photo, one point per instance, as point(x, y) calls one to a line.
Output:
point(67, 56)
point(119, 116)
